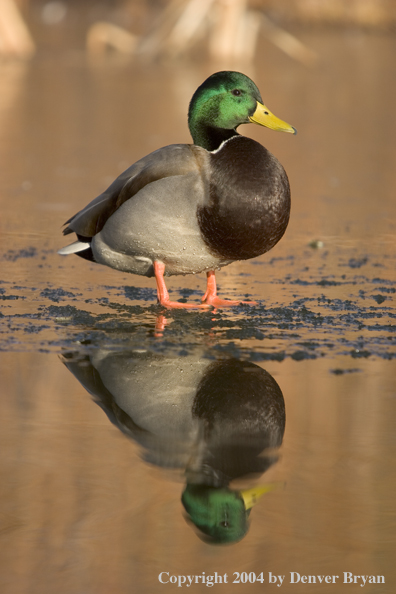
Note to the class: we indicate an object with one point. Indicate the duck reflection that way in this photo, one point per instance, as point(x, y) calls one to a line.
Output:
point(217, 420)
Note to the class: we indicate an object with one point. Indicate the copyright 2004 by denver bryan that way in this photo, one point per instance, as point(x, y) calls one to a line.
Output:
point(292, 577)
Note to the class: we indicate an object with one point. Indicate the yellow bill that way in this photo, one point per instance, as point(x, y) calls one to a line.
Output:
point(251, 496)
point(264, 117)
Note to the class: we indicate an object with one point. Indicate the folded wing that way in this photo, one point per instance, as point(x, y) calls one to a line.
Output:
point(176, 159)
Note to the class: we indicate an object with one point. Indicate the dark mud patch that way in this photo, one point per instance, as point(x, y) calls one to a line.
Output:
point(57, 295)
point(357, 262)
point(339, 371)
point(5, 297)
point(14, 255)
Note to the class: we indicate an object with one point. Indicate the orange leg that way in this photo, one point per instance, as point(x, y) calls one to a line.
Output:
point(211, 298)
point(163, 295)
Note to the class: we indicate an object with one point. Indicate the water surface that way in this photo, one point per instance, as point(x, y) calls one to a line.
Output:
point(111, 409)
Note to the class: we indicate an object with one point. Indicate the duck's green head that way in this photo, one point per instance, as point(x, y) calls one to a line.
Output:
point(221, 514)
point(223, 102)
point(218, 513)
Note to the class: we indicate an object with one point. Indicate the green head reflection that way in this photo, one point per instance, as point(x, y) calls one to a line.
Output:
point(221, 514)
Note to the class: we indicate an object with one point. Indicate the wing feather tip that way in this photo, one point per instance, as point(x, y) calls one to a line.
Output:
point(74, 248)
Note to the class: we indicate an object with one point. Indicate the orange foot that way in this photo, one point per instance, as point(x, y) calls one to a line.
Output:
point(217, 302)
point(177, 305)
point(211, 298)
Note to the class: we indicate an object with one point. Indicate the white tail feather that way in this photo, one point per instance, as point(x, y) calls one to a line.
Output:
point(73, 248)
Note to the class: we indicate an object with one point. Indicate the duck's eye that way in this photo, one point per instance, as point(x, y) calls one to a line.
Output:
point(236, 92)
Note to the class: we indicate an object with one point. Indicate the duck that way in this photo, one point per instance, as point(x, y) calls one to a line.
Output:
point(212, 422)
point(193, 208)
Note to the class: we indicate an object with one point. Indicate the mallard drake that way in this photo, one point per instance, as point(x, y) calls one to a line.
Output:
point(215, 421)
point(219, 420)
point(190, 208)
